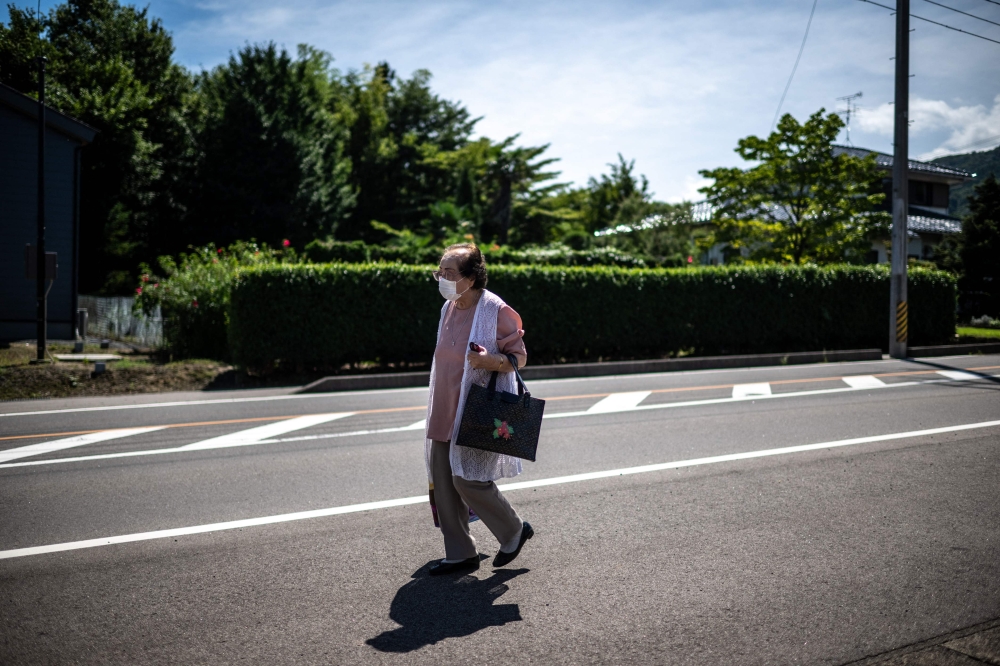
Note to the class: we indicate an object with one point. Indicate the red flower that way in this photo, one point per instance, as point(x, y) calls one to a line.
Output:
point(194, 303)
point(219, 250)
point(502, 429)
point(286, 243)
point(138, 291)
point(690, 259)
point(156, 284)
point(145, 278)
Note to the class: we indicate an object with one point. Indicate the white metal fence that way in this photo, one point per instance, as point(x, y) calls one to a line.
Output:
point(113, 317)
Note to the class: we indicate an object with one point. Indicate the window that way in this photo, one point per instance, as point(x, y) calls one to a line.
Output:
point(921, 193)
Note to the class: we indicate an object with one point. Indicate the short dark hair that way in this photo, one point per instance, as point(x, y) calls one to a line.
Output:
point(472, 264)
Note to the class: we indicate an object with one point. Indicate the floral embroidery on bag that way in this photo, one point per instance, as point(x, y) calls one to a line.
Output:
point(502, 429)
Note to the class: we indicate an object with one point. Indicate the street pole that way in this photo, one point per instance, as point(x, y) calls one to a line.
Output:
point(40, 261)
point(900, 185)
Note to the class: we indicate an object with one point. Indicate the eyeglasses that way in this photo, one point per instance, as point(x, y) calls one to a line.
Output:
point(447, 274)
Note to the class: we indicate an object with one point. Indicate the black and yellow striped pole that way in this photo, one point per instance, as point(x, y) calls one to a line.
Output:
point(900, 185)
point(901, 326)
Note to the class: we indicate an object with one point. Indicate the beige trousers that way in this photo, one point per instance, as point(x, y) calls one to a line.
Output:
point(454, 495)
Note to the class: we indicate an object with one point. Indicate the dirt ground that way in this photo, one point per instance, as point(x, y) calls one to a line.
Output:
point(141, 372)
point(135, 373)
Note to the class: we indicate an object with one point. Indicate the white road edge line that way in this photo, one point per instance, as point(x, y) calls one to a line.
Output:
point(402, 501)
point(421, 424)
point(307, 396)
point(217, 401)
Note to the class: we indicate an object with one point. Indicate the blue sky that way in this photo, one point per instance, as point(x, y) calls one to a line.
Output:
point(672, 85)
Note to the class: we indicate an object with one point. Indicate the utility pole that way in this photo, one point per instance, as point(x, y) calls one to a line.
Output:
point(900, 185)
point(40, 263)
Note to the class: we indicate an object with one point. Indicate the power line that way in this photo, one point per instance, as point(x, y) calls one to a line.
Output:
point(796, 66)
point(982, 142)
point(994, 2)
point(966, 32)
point(959, 11)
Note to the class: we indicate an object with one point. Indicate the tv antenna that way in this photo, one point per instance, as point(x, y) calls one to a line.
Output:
point(852, 108)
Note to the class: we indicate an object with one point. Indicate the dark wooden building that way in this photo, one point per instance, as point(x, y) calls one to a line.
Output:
point(64, 139)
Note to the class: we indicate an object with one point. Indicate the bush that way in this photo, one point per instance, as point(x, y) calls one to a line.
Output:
point(340, 313)
point(194, 296)
point(326, 251)
point(563, 255)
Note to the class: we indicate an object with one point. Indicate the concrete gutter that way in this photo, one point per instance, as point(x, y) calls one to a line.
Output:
point(415, 379)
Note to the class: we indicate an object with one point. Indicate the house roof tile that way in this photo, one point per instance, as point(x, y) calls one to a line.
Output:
point(885, 160)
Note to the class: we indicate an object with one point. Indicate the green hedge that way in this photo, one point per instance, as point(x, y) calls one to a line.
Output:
point(339, 313)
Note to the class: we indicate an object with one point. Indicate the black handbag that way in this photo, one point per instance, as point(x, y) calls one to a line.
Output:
point(502, 422)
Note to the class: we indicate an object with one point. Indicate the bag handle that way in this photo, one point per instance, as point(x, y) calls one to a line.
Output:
point(522, 388)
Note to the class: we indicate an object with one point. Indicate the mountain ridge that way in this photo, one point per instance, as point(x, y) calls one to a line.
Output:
point(982, 163)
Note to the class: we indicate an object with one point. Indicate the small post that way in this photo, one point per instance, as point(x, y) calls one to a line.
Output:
point(40, 263)
point(898, 309)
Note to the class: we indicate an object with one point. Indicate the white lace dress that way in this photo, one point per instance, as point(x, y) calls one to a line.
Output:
point(474, 464)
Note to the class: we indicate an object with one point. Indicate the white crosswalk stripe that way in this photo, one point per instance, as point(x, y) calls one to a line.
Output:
point(245, 437)
point(863, 382)
point(619, 402)
point(71, 442)
point(751, 390)
point(958, 375)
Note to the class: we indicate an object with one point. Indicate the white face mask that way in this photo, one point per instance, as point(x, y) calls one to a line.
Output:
point(449, 289)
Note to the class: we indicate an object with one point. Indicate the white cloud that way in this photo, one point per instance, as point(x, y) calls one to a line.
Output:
point(689, 189)
point(971, 127)
point(671, 84)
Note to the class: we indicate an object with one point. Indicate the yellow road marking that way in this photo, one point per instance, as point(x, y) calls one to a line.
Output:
point(424, 407)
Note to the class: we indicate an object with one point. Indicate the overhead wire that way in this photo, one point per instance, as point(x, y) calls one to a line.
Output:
point(959, 11)
point(794, 67)
point(921, 18)
point(984, 142)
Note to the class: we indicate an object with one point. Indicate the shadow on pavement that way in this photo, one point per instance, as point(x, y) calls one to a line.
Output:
point(944, 366)
point(431, 609)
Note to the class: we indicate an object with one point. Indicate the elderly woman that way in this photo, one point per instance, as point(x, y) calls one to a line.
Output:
point(461, 477)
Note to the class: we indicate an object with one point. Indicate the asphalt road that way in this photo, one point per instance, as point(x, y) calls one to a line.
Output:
point(810, 514)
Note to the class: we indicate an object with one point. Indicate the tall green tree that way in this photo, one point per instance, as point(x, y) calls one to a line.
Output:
point(980, 251)
point(110, 65)
point(617, 198)
point(508, 190)
point(620, 204)
point(801, 203)
point(394, 126)
point(271, 163)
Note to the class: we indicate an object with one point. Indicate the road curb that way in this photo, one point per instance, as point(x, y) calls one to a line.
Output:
point(568, 370)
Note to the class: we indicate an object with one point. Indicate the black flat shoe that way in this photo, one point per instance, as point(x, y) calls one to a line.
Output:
point(443, 567)
point(503, 558)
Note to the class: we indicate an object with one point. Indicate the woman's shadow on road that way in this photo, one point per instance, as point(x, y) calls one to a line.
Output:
point(431, 609)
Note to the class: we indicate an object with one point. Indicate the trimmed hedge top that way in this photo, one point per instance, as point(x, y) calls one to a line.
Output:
point(339, 313)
